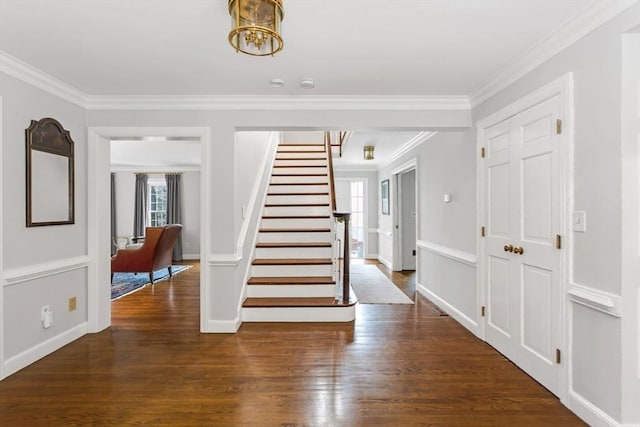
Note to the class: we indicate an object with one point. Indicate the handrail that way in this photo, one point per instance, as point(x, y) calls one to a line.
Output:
point(327, 143)
point(340, 217)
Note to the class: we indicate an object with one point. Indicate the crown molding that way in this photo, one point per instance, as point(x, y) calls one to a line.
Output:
point(242, 102)
point(408, 146)
point(28, 74)
point(590, 18)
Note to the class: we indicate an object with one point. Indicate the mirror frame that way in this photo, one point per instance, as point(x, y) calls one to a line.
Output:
point(48, 135)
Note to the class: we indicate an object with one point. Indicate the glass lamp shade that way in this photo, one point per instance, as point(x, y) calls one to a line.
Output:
point(368, 152)
point(255, 26)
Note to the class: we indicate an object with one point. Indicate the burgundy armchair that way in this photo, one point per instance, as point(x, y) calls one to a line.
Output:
point(155, 253)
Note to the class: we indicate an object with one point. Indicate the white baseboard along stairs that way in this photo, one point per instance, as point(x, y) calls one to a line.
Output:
point(292, 275)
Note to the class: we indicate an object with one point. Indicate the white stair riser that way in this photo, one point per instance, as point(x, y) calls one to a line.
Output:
point(297, 199)
point(311, 236)
point(291, 291)
point(291, 270)
point(322, 162)
point(283, 253)
point(286, 147)
point(294, 155)
point(299, 314)
point(296, 210)
point(301, 170)
point(286, 179)
point(296, 223)
point(299, 188)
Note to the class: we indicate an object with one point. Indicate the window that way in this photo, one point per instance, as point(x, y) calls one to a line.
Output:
point(157, 204)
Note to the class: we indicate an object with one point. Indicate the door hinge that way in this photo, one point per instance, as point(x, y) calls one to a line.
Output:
point(482, 311)
point(558, 356)
point(482, 152)
point(414, 252)
point(558, 241)
point(482, 232)
point(558, 126)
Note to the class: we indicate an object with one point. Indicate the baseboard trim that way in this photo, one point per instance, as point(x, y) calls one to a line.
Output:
point(37, 352)
point(45, 269)
point(223, 326)
point(191, 257)
point(385, 261)
point(590, 413)
point(459, 316)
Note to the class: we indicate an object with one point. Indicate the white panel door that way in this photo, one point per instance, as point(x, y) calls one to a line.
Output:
point(522, 182)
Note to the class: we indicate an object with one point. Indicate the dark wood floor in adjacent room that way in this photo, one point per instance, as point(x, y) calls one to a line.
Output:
point(397, 365)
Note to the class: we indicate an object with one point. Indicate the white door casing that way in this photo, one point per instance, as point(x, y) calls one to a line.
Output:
point(523, 200)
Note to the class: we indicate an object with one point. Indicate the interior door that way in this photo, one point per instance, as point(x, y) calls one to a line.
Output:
point(408, 219)
point(522, 182)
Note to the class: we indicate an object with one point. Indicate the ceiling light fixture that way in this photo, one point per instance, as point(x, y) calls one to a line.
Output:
point(255, 26)
point(276, 82)
point(307, 83)
point(368, 152)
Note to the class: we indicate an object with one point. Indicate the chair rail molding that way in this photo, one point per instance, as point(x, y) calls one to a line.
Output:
point(45, 269)
point(596, 299)
point(454, 254)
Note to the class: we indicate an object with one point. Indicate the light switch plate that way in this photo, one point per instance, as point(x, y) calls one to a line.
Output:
point(580, 221)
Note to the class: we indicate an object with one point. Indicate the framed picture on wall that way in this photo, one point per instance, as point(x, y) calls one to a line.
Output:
point(384, 196)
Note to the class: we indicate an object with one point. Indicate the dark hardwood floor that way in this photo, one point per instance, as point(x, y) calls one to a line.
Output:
point(396, 365)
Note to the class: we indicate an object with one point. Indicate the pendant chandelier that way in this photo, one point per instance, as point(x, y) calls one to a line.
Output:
point(368, 152)
point(255, 26)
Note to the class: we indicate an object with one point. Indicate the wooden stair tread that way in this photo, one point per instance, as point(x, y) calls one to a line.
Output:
point(298, 183)
point(296, 216)
point(317, 280)
point(295, 230)
point(297, 194)
point(300, 174)
point(292, 261)
point(299, 166)
point(275, 205)
point(300, 144)
point(301, 158)
point(301, 151)
point(294, 245)
point(295, 302)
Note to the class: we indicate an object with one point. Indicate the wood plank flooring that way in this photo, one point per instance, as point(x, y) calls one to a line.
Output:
point(396, 365)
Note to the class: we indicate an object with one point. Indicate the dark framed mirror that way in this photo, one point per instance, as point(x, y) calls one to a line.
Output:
point(50, 174)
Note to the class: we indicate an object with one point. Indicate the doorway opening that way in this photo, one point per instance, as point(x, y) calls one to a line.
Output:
point(351, 196)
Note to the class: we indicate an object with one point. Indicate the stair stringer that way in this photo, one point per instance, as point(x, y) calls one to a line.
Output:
point(251, 224)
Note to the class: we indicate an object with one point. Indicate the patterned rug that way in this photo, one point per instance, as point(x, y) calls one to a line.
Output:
point(127, 283)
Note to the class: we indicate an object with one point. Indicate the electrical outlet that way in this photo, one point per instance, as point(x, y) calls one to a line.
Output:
point(72, 304)
point(47, 316)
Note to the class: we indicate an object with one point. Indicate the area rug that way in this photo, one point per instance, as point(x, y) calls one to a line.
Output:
point(127, 283)
point(371, 286)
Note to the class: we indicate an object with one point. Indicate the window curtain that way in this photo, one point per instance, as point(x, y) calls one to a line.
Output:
point(114, 247)
point(174, 208)
point(140, 207)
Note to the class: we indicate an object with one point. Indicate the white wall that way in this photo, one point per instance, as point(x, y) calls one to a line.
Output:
point(445, 163)
point(125, 202)
point(221, 293)
point(595, 62)
point(41, 265)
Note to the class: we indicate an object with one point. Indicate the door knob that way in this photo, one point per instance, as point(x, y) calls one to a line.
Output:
point(508, 248)
point(518, 250)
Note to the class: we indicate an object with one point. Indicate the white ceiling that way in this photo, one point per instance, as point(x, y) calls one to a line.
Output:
point(350, 47)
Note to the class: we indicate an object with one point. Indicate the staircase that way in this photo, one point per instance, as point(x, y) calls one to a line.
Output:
point(292, 276)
